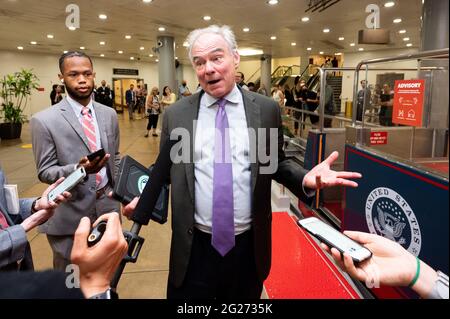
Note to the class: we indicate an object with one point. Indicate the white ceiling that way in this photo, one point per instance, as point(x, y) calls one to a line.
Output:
point(22, 21)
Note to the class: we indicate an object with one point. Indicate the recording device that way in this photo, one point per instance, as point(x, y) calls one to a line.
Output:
point(96, 233)
point(98, 153)
point(334, 238)
point(67, 184)
point(132, 178)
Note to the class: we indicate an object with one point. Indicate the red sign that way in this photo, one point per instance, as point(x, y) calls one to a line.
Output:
point(378, 138)
point(408, 102)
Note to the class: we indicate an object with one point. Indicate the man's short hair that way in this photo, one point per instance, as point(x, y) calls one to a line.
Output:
point(224, 31)
point(71, 54)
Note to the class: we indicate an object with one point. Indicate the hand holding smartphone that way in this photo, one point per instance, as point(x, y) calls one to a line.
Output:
point(70, 182)
point(98, 153)
point(334, 238)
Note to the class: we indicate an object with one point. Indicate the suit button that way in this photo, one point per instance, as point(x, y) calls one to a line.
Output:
point(190, 231)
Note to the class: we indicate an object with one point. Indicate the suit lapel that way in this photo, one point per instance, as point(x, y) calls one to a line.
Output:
point(72, 120)
point(253, 115)
point(191, 115)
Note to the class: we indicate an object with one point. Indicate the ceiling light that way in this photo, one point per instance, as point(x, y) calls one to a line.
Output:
point(147, 1)
point(128, 37)
point(162, 29)
point(389, 4)
point(102, 55)
point(33, 42)
point(206, 18)
point(361, 49)
point(326, 30)
point(293, 44)
point(150, 55)
point(246, 29)
point(352, 44)
point(157, 60)
point(141, 48)
point(20, 48)
point(65, 51)
point(409, 45)
point(102, 16)
point(72, 28)
point(273, 37)
point(272, 2)
point(249, 51)
point(185, 44)
point(102, 42)
point(406, 39)
point(308, 49)
point(82, 48)
point(120, 51)
point(50, 36)
point(131, 57)
point(402, 31)
point(176, 58)
point(398, 20)
point(341, 38)
point(305, 19)
point(321, 52)
point(338, 53)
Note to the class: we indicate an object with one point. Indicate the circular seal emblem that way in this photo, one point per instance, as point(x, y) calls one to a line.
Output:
point(142, 181)
point(388, 214)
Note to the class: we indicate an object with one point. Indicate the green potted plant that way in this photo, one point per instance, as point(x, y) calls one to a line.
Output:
point(15, 89)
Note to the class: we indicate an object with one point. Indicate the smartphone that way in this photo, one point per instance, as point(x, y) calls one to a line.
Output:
point(67, 184)
point(334, 238)
point(98, 153)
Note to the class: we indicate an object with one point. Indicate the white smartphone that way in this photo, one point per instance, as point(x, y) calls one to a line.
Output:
point(68, 183)
point(333, 238)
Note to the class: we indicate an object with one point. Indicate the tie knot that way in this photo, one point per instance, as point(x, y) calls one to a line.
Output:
point(85, 110)
point(221, 103)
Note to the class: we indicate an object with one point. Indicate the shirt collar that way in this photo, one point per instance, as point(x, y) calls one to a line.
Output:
point(77, 107)
point(232, 97)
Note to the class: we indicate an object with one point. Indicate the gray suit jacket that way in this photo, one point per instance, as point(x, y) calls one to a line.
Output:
point(13, 240)
point(58, 144)
point(261, 112)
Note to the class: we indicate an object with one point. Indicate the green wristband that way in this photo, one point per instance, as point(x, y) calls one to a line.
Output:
point(417, 274)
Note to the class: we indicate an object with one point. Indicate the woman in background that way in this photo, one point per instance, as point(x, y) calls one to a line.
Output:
point(167, 98)
point(152, 109)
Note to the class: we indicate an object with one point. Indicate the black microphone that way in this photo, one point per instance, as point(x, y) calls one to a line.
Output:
point(158, 177)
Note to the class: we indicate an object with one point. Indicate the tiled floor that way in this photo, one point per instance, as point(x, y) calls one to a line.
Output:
point(145, 279)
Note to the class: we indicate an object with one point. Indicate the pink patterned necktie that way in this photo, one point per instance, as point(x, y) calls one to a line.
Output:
point(223, 209)
point(89, 131)
point(3, 222)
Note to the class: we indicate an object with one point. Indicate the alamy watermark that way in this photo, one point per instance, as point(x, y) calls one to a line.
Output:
point(73, 19)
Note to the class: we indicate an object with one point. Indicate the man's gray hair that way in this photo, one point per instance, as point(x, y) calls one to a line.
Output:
point(224, 31)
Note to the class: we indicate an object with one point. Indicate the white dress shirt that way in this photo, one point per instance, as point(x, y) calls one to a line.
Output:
point(204, 161)
point(77, 107)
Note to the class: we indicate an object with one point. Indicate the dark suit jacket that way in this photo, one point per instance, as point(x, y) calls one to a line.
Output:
point(129, 97)
point(261, 112)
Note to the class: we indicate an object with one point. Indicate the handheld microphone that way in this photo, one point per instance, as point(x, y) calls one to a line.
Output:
point(158, 177)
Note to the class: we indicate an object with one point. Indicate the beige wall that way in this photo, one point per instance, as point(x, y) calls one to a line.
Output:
point(46, 68)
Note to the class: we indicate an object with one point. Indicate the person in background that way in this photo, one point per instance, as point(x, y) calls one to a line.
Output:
point(251, 87)
point(53, 94)
point(386, 106)
point(168, 98)
point(183, 90)
point(97, 266)
point(363, 100)
point(152, 109)
point(103, 93)
point(130, 98)
point(392, 265)
point(262, 89)
point(239, 78)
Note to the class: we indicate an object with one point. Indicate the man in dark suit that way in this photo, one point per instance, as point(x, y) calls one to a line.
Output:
point(62, 136)
point(221, 184)
point(103, 94)
point(130, 98)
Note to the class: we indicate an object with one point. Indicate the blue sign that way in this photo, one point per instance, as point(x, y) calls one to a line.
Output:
point(401, 203)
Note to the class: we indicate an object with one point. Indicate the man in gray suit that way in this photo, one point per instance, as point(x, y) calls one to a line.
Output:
point(15, 250)
point(220, 184)
point(62, 136)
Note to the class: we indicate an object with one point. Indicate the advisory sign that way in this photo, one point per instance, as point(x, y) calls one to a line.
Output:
point(408, 102)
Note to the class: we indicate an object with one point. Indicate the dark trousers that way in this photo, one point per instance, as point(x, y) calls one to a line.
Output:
point(209, 275)
point(152, 121)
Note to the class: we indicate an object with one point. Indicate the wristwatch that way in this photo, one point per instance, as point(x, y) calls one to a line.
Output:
point(34, 210)
point(108, 294)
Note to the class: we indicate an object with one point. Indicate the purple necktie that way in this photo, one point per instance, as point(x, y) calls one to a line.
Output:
point(223, 209)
